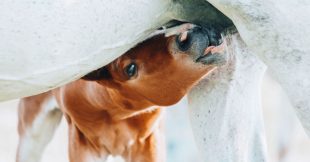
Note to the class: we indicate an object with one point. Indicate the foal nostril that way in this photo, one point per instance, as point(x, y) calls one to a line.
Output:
point(183, 43)
point(183, 36)
point(195, 40)
point(212, 35)
point(214, 38)
point(213, 42)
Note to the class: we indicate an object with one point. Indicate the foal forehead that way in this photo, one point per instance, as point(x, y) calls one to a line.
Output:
point(147, 54)
point(154, 44)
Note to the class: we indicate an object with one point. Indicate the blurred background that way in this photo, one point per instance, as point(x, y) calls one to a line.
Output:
point(287, 142)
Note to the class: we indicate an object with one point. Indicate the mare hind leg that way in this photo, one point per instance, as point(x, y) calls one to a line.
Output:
point(38, 119)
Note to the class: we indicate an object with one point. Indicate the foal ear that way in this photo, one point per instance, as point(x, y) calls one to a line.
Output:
point(99, 74)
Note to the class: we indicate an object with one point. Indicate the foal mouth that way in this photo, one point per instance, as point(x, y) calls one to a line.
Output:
point(213, 55)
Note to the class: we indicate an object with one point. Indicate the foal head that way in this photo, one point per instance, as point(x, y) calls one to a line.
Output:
point(160, 70)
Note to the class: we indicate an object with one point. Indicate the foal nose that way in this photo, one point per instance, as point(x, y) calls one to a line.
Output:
point(212, 37)
point(193, 41)
point(202, 45)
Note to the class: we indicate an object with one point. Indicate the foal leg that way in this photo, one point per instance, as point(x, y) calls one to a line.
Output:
point(80, 149)
point(38, 119)
point(152, 149)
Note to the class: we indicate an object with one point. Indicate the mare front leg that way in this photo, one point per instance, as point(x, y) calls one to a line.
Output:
point(38, 119)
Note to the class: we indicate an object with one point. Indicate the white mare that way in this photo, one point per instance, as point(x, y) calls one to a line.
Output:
point(278, 32)
point(47, 44)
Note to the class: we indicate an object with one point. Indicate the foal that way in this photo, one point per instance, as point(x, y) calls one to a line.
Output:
point(115, 110)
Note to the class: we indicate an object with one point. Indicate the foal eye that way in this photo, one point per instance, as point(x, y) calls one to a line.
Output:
point(131, 69)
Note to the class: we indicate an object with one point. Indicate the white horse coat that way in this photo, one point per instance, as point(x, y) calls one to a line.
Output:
point(278, 31)
point(45, 44)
